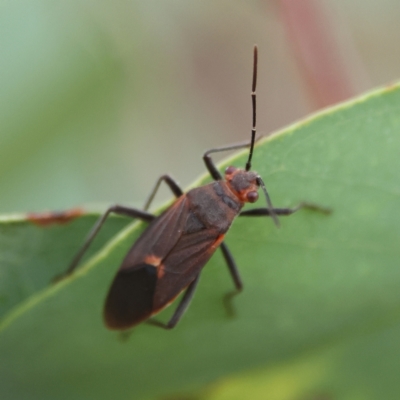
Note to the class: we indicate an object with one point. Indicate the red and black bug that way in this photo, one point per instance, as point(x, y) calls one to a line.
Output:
point(170, 254)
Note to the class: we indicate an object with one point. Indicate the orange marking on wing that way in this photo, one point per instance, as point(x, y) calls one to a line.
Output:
point(55, 217)
point(153, 260)
point(218, 241)
point(160, 271)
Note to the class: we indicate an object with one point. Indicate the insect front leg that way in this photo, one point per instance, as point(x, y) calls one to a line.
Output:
point(181, 309)
point(116, 209)
point(212, 169)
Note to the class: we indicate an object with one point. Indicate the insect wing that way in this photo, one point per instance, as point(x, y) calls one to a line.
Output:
point(160, 236)
point(183, 265)
point(130, 298)
point(160, 265)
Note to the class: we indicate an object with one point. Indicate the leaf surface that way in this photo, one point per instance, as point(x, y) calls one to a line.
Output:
point(321, 294)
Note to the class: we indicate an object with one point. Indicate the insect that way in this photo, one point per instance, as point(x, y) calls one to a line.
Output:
point(168, 257)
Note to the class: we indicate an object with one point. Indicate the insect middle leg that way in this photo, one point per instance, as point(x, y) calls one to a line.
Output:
point(212, 169)
point(176, 190)
point(234, 271)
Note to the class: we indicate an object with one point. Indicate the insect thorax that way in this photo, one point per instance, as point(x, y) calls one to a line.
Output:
point(214, 205)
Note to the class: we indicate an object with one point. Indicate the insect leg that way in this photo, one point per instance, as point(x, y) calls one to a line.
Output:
point(116, 209)
point(233, 269)
point(176, 190)
point(257, 212)
point(180, 310)
point(212, 169)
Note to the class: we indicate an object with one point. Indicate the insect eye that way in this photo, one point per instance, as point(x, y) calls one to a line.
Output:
point(230, 170)
point(252, 197)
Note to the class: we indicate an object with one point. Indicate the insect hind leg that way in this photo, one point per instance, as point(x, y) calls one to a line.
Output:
point(180, 310)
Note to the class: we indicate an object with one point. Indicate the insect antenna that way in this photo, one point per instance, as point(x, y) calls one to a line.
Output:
point(269, 203)
point(253, 102)
point(253, 137)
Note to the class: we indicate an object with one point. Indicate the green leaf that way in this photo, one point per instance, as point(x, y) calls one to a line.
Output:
point(31, 255)
point(319, 314)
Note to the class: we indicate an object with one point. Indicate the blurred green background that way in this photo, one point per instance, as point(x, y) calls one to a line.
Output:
point(99, 98)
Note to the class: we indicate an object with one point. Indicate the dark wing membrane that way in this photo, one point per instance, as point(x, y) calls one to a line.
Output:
point(160, 236)
point(130, 299)
point(183, 265)
point(131, 295)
